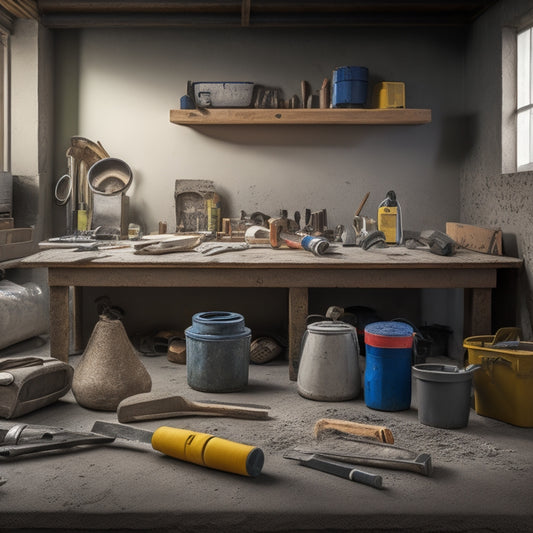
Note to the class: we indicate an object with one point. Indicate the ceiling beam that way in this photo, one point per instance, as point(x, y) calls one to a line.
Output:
point(26, 9)
point(246, 13)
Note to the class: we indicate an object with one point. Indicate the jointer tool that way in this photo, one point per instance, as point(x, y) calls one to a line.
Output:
point(370, 453)
point(337, 468)
point(282, 232)
point(193, 447)
point(154, 406)
point(21, 439)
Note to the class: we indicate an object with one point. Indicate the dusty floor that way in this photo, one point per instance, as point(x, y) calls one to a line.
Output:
point(482, 479)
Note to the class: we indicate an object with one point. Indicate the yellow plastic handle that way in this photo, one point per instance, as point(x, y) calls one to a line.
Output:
point(207, 450)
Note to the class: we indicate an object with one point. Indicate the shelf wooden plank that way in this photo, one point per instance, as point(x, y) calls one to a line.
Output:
point(228, 116)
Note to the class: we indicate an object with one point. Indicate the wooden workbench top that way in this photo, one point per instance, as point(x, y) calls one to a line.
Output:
point(265, 257)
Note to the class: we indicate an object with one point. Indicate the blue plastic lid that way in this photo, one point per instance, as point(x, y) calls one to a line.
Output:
point(350, 73)
point(217, 323)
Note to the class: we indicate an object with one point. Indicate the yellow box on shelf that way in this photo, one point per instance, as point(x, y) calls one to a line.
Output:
point(388, 95)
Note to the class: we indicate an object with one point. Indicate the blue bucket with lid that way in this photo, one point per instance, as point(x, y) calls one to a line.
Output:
point(218, 352)
point(389, 347)
point(349, 87)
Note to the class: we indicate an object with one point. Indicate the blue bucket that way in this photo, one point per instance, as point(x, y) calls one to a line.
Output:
point(349, 87)
point(389, 347)
point(218, 352)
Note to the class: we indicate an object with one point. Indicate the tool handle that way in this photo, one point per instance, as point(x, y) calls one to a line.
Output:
point(360, 208)
point(379, 433)
point(373, 480)
point(206, 450)
point(343, 470)
point(231, 411)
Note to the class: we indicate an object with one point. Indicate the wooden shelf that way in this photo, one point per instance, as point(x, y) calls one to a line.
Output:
point(228, 116)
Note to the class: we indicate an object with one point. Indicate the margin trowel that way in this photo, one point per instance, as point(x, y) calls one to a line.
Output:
point(156, 405)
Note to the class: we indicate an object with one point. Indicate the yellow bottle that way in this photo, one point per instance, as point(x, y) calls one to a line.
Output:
point(83, 217)
point(390, 219)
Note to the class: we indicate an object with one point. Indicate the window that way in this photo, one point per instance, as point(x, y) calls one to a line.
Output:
point(524, 100)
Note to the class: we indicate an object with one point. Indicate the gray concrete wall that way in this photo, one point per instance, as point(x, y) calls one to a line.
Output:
point(128, 80)
point(488, 196)
point(117, 86)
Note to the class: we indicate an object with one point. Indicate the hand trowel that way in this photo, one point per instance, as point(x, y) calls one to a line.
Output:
point(154, 406)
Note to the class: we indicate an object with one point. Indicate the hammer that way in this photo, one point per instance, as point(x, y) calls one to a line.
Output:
point(279, 234)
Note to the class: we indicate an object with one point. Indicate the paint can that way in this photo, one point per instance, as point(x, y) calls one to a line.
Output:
point(349, 87)
point(388, 365)
point(218, 352)
point(329, 367)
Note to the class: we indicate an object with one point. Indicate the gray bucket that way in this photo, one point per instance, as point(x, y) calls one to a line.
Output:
point(218, 352)
point(443, 394)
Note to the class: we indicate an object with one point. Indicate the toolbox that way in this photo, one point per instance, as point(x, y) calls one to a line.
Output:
point(503, 387)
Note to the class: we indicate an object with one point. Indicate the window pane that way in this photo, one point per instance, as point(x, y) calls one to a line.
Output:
point(523, 129)
point(523, 68)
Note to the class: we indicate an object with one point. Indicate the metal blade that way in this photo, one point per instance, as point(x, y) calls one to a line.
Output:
point(21, 439)
point(121, 431)
point(421, 464)
point(336, 468)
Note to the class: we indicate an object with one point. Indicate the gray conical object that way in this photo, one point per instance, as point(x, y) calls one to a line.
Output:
point(109, 369)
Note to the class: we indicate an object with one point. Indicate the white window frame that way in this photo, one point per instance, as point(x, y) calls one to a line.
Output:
point(524, 99)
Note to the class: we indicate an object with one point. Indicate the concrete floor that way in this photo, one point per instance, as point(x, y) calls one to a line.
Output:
point(482, 479)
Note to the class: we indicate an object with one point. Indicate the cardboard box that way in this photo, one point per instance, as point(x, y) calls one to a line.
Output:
point(15, 242)
point(476, 238)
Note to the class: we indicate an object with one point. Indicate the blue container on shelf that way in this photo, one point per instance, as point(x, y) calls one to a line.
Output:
point(349, 87)
point(389, 347)
point(218, 352)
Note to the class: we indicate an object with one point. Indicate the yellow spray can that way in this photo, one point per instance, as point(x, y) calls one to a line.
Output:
point(390, 219)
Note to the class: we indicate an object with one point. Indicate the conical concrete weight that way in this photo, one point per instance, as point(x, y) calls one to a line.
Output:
point(109, 369)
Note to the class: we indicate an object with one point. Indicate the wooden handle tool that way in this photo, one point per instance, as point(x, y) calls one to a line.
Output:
point(379, 433)
point(154, 406)
point(362, 204)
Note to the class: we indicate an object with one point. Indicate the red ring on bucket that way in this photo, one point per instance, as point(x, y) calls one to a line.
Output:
point(385, 341)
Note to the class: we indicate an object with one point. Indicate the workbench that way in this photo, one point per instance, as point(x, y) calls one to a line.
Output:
point(295, 270)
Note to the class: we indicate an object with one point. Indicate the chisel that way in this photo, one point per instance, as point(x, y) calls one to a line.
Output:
point(199, 448)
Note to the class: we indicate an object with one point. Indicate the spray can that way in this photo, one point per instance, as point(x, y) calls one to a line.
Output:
point(390, 219)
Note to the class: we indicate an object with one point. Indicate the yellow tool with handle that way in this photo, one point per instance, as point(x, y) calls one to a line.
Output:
point(193, 447)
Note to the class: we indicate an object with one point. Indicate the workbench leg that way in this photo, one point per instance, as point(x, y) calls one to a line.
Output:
point(298, 305)
point(76, 321)
point(59, 323)
point(477, 312)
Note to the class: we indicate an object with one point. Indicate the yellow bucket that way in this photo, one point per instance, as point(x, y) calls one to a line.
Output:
point(503, 387)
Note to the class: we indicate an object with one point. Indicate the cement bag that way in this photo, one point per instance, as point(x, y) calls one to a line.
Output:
point(24, 312)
